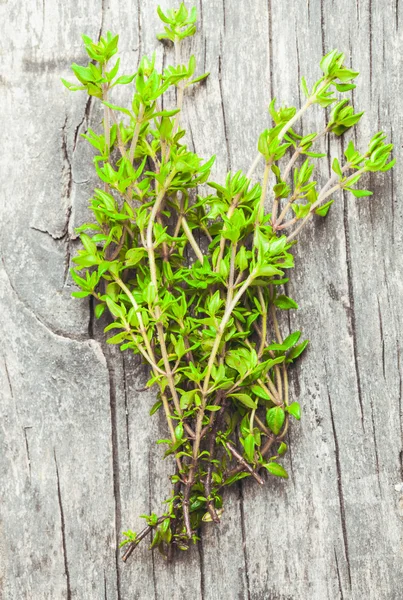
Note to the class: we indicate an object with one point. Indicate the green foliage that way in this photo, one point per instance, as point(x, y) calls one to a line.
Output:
point(208, 327)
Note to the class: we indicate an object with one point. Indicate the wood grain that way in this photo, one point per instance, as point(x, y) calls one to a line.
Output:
point(76, 466)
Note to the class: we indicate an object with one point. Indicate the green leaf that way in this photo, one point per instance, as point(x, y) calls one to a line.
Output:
point(117, 310)
point(236, 477)
point(324, 209)
point(336, 167)
point(99, 310)
point(118, 338)
point(284, 302)
point(346, 74)
point(119, 108)
point(249, 445)
point(282, 449)
point(276, 470)
point(155, 407)
point(388, 166)
point(245, 399)
point(179, 431)
point(134, 256)
point(197, 79)
point(295, 352)
point(275, 418)
point(267, 271)
point(290, 340)
point(359, 193)
point(124, 79)
point(327, 60)
point(213, 407)
point(260, 392)
point(294, 409)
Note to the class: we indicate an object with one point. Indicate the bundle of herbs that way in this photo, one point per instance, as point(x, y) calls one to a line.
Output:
point(193, 283)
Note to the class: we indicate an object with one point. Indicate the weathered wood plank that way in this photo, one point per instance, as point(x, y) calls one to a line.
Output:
point(77, 466)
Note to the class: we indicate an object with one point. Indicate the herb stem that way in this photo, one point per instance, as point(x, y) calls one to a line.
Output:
point(191, 240)
point(136, 132)
point(322, 196)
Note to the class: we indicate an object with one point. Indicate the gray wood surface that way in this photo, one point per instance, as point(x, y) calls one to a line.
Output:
point(77, 465)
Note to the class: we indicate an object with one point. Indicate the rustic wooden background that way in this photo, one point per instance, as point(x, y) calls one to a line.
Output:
point(78, 461)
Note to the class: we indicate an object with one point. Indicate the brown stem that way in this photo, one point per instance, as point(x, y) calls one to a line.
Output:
point(245, 465)
point(211, 449)
point(146, 531)
point(185, 506)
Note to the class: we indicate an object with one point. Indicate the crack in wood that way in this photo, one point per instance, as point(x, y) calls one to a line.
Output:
point(202, 577)
point(340, 489)
point(102, 19)
point(8, 379)
point(270, 27)
point(338, 575)
point(393, 196)
point(152, 533)
point(67, 183)
point(139, 34)
point(86, 118)
point(91, 319)
point(200, 12)
point(127, 417)
point(67, 174)
point(115, 464)
point(298, 66)
point(191, 137)
point(57, 332)
point(370, 45)
point(63, 530)
point(322, 27)
point(382, 339)
point(23, 428)
point(223, 109)
point(351, 314)
point(400, 407)
point(375, 445)
point(27, 450)
point(243, 534)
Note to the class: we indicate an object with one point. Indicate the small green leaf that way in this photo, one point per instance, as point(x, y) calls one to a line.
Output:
point(336, 167)
point(359, 193)
point(295, 352)
point(245, 399)
point(284, 302)
point(179, 431)
point(294, 409)
point(275, 418)
point(117, 310)
point(276, 470)
point(249, 445)
point(155, 407)
point(99, 310)
point(324, 209)
point(260, 392)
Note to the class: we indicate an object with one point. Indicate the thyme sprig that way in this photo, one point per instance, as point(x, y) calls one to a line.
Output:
point(207, 327)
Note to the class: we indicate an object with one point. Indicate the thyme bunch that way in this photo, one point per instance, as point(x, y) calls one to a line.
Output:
point(207, 325)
